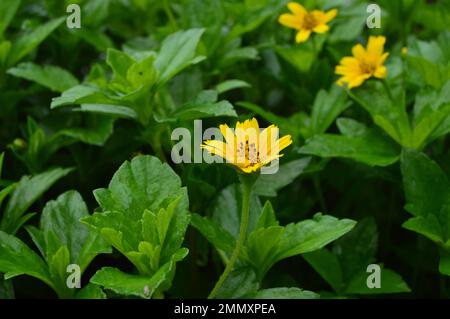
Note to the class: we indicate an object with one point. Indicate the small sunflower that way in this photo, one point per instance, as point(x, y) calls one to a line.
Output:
point(246, 147)
point(306, 22)
point(364, 64)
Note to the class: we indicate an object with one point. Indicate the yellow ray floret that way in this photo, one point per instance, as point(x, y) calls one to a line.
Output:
point(246, 147)
point(306, 22)
point(364, 64)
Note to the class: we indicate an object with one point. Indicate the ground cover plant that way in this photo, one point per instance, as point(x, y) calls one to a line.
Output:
point(224, 149)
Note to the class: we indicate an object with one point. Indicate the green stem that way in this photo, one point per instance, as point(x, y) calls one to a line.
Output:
point(247, 188)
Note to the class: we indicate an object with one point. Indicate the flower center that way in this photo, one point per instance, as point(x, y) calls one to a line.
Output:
point(309, 22)
point(248, 151)
point(367, 67)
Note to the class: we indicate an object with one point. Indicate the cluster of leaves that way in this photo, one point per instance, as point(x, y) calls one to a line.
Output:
point(81, 106)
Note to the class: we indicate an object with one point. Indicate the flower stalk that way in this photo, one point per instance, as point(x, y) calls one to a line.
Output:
point(247, 182)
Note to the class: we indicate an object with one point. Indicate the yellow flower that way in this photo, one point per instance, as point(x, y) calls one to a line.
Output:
point(404, 50)
point(246, 147)
point(364, 63)
point(306, 22)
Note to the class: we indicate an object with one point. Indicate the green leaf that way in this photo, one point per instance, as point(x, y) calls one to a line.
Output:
point(260, 255)
point(113, 110)
point(61, 218)
point(420, 174)
point(91, 291)
point(52, 77)
point(177, 52)
point(8, 8)
point(300, 57)
point(229, 85)
point(17, 259)
point(57, 265)
point(327, 265)
point(119, 62)
point(81, 94)
point(2, 156)
point(142, 73)
point(311, 234)
point(370, 148)
point(214, 233)
point(98, 128)
point(269, 184)
point(349, 23)
point(427, 226)
point(27, 191)
point(227, 210)
point(431, 109)
point(193, 110)
point(29, 41)
point(239, 283)
point(284, 293)
point(327, 106)
point(6, 289)
point(136, 285)
point(145, 213)
point(388, 114)
point(430, 73)
point(391, 282)
point(267, 217)
point(444, 263)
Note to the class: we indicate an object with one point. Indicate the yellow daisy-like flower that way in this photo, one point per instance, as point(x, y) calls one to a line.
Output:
point(306, 22)
point(246, 147)
point(364, 63)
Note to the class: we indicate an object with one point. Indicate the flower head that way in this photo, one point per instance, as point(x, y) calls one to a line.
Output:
point(364, 63)
point(306, 22)
point(246, 147)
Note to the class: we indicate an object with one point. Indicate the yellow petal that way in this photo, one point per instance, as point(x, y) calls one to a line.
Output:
point(230, 140)
point(215, 147)
point(267, 138)
point(284, 142)
point(302, 35)
point(357, 81)
point(380, 72)
point(330, 15)
point(290, 21)
point(297, 9)
point(322, 28)
point(383, 57)
point(375, 45)
point(358, 51)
